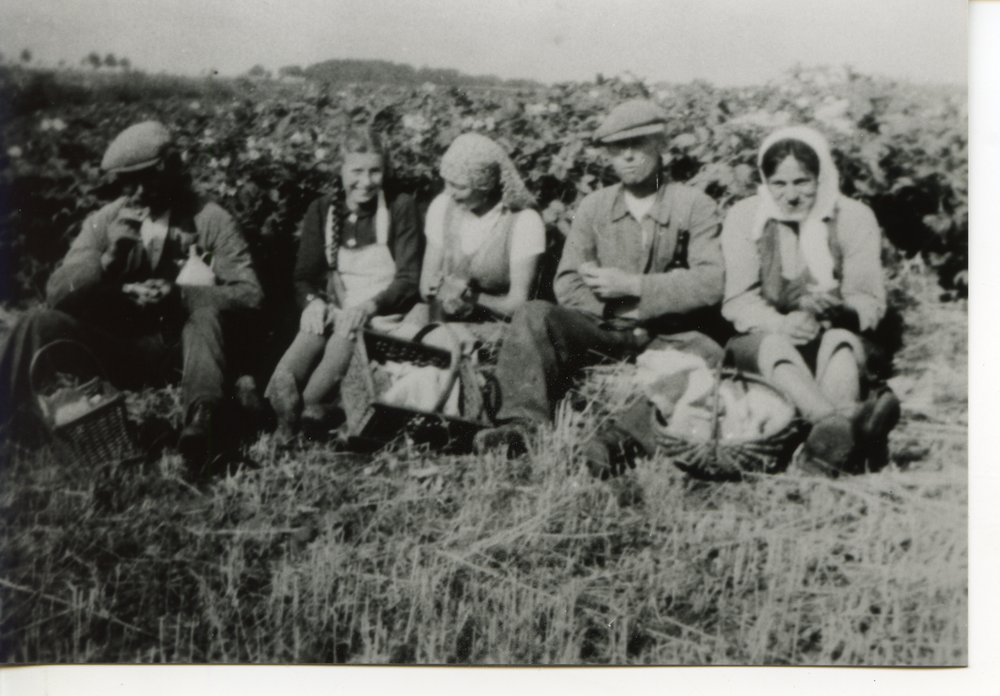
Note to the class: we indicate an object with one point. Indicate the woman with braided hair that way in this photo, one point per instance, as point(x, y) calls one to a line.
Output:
point(359, 257)
point(483, 238)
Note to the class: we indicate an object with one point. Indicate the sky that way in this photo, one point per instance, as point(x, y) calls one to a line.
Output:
point(727, 42)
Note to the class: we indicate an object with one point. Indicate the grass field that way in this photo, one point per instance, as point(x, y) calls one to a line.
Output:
point(315, 555)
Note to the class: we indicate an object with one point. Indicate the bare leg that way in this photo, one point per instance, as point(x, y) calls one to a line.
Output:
point(331, 370)
point(292, 371)
point(781, 363)
point(830, 447)
point(302, 356)
point(837, 370)
point(840, 380)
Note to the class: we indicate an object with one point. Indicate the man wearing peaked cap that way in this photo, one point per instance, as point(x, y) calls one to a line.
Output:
point(157, 280)
point(137, 147)
point(642, 261)
point(631, 120)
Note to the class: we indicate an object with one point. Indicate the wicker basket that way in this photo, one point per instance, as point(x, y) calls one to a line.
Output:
point(372, 423)
point(728, 459)
point(87, 421)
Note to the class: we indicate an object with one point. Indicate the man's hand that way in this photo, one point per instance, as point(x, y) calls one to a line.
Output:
point(313, 318)
point(452, 288)
point(610, 283)
point(801, 327)
point(349, 321)
point(148, 293)
point(818, 303)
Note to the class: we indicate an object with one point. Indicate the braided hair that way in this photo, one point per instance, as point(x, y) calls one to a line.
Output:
point(354, 141)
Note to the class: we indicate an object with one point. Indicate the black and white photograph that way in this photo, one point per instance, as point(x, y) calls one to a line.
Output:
point(510, 333)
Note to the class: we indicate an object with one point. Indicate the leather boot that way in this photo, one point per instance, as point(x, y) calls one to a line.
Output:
point(830, 447)
point(611, 453)
point(318, 420)
point(196, 441)
point(512, 437)
point(878, 415)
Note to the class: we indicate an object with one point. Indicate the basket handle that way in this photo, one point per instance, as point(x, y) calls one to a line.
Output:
point(727, 353)
point(453, 367)
point(32, 369)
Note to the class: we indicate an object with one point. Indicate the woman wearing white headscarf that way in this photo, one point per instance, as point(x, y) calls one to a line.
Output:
point(484, 240)
point(804, 285)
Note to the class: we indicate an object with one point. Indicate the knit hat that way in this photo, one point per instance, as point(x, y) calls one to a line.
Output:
point(137, 147)
point(630, 120)
point(476, 161)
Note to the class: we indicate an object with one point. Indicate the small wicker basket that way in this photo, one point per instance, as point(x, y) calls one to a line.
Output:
point(728, 459)
point(372, 423)
point(86, 421)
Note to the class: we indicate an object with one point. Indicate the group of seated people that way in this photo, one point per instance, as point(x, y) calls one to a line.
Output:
point(161, 278)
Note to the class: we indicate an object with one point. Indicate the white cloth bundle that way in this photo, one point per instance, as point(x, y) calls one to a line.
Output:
point(419, 387)
point(682, 388)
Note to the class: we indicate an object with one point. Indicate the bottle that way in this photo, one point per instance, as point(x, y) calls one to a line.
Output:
point(680, 257)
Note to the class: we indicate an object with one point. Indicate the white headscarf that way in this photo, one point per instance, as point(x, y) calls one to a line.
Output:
point(813, 230)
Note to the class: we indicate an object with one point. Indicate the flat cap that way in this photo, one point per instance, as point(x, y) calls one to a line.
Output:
point(630, 120)
point(136, 147)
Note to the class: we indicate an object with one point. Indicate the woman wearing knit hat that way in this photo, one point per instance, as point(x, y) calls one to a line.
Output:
point(359, 257)
point(483, 239)
point(804, 284)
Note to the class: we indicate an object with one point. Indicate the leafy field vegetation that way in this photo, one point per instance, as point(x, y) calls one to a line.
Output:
point(310, 554)
point(264, 150)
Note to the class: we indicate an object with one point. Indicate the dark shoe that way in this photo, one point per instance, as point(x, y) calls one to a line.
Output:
point(318, 420)
point(252, 414)
point(830, 448)
point(512, 436)
point(611, 453)
point(249, 401)
point(195, 443)
point(878, 416)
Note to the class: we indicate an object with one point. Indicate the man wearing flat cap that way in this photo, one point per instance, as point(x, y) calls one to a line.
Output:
point(158, 279)
point(642, 260)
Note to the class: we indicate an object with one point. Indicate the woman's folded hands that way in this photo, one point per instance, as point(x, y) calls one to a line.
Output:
point(801, 327)
point(456, 297)
point(829, 310)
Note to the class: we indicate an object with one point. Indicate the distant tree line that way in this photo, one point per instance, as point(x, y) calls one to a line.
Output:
point(95, 61)
point(92, 60)
point(386, 72)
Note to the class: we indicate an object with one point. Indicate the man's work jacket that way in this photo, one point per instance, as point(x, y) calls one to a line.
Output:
point(81, 286)
point(605, 232)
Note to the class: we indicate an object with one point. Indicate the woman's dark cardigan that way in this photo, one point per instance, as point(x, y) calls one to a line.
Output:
point(404, 243)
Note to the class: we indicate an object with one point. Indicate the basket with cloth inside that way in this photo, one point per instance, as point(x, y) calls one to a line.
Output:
point(82, 411)
point(717, 424)
point(396, 386)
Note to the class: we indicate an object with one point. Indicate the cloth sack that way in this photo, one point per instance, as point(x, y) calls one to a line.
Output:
point(195, 271)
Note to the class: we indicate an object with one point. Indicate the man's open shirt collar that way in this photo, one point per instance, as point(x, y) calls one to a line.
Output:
point(659, 212)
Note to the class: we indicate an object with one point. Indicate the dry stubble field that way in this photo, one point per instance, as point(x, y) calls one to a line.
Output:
point(314, 555)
